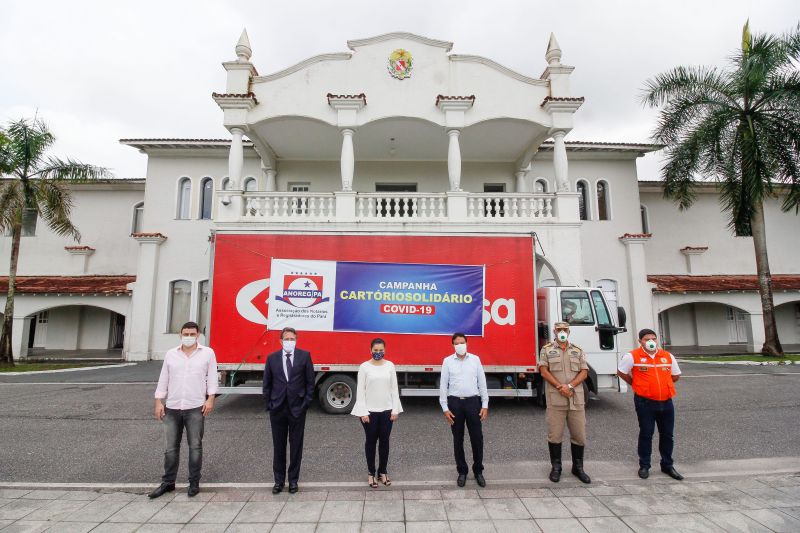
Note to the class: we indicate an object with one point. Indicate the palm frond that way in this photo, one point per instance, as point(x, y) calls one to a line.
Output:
point(11, 203)
point(54, 203)
point(688, 82)
point(29, 142)
point(71, 170)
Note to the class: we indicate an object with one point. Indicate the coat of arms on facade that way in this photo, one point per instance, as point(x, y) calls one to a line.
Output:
point(400, 64)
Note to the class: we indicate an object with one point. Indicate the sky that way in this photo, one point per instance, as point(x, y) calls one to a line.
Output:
point(98, 71)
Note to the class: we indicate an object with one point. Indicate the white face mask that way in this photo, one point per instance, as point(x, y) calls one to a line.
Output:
point(562, 336)
point(650, 345)
point(188, 341)
point(288, 346)
point(461, 349)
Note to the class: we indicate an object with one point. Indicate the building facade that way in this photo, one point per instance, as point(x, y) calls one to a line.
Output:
point(397, 135)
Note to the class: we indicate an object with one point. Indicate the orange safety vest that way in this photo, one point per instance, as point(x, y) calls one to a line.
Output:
point(652, 376)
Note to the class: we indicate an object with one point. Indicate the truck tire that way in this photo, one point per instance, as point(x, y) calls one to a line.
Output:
point(337, 394)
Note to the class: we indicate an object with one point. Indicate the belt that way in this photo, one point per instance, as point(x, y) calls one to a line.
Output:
point(464, 397)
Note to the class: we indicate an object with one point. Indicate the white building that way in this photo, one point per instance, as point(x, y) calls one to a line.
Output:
point(397, 135)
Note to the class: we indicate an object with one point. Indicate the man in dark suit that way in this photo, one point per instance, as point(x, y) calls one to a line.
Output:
point(288, 391)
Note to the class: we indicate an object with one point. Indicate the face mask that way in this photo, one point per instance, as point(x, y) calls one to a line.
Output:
point(562, 336)
point(288, 346)
point(461, 349)
point(650, 345)
point(188, 341)
point(378, 355)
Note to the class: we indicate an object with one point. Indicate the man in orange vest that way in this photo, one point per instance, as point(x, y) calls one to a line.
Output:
point(652, 372)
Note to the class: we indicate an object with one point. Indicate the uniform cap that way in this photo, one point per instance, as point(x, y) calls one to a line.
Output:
point(561, 325)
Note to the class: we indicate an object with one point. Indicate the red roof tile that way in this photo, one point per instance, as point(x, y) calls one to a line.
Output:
point(636, 236)
point(69, 284)
point(161, 235)
point(76, 248)
point(719, 283)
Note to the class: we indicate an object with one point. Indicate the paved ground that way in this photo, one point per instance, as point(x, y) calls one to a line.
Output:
point(768, 503)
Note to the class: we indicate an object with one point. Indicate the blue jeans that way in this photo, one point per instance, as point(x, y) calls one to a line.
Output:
point(175, 421)
point(654, 413)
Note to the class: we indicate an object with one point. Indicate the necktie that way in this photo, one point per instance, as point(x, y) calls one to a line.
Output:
point(288, 366)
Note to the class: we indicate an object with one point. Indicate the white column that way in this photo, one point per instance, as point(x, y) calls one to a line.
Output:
point(520, 185)
point(454, 160)
point(236, 160)
point(640, 295)
point(271, 185)
point(560, 163)
point(144, 292)
point(348, 159)
point(757, 335)
point(20, 332)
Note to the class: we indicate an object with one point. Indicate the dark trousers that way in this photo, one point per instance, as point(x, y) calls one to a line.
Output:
point(377, 431)
point(654, 413)
point(175, 420)
point(284, 426)
point(467, 411)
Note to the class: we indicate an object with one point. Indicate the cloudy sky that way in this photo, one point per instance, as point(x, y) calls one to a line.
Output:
point(98, 71)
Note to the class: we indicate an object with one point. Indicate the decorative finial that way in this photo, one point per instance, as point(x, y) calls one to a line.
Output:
point(243, 50)
point(553, 54)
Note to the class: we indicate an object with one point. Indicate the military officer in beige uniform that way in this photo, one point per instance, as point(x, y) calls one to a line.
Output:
point(563, 366)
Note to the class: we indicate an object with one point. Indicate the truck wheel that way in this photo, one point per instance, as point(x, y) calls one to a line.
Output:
point(337, 394)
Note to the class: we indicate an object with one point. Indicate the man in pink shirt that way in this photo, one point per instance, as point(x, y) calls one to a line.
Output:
point(184, 397)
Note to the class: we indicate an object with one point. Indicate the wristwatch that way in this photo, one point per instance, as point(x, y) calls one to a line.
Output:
point(570, 386)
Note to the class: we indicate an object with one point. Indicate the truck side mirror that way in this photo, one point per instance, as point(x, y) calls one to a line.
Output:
point(622, 316)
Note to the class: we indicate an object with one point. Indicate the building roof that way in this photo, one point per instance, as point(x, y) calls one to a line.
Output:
point(69, 284)
point(720, 283)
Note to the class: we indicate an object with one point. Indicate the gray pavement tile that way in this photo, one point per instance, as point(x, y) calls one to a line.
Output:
point(780, 481)
point(625, 505)
point(546, 508)
point(668, 504)
point(116, 527)
point(497, 493)
point(774, 519)
point(460, 510)
point(338, 527)
point(259, 512)
point(516, 526)
point(137, 511)
point(734, 500)
point(459, 494)
point(177, 513)
point(72, 527)
point(424, 510)
point(472, 526)
point(748, 483)
point(96, 511)
point(560, 525)
point(601, 490)
point(534, 493)
point(383, 527)
point(604, 524)
point(80, 495)
point(55, 510)
point(300, 512)
point(774, 497)
point(792, 490)
point(507, 509)
point(254, 527)
point(13, 493)
point(19, 508)
point(218, 513)
point(585, 507)
point(646, 488)
point(308, 496)
point(793, 511)
point(27, 526)
point(4, 523)
point(6, 501)
point(735, 521)
point(293, 528)
point(119, 496)
point(159, 528)
point(342, 511)
point(267, 496)
point(672, 522)
point(346, 495)
point(384, 495)
point(44, 494)
point(571, 491)
point(181, 495)
point(232, 496)
point(383, 511)
point(205, 528)
point(428, 527)
point(422, 495)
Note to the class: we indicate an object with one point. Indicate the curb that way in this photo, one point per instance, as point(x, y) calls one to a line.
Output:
point(787, 362)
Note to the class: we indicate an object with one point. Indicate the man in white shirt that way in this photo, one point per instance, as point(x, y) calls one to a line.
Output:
point(184, 397)
point(464, 399)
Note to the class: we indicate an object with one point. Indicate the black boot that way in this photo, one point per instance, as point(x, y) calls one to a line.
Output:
point(577, 464)
point(555, 460)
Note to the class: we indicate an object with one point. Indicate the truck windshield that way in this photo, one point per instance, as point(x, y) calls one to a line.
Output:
point(600, 309)
point(576, 309)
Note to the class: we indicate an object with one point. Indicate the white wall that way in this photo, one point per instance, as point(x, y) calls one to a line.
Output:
point(788, 318)
point(95, 328)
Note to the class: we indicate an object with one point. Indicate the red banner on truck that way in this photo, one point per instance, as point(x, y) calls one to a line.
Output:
point(240, 298)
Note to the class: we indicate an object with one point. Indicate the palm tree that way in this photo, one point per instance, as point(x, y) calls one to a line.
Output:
point(740, 126)
point(34, 185)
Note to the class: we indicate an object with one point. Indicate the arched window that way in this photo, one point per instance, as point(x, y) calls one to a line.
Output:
point(138, 218)
point(645, 219)
point(202, 307)
point(226, 183)
point(206, 198)
point(603, 210)
point(184, 198)
point(540, 186)
point(250, 184)
point(583, 200)
point(180, 301)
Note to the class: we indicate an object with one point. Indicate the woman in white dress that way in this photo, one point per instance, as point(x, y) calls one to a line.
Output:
point(377, 405)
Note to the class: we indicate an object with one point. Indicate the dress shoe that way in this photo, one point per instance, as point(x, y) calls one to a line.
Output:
point(462, 480)
point(644, 473)
point(277, 488)
point(577, 464)
point(161, 490)
point(671, 472)
point(194, 489)
point(555, 461)
point(480, 480)
point(293, 488)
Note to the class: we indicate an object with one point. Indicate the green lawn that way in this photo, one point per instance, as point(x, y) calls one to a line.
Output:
point(33, 367)
point(794, 358)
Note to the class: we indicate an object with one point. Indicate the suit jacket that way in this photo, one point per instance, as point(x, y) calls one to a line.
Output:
point(298, 391)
